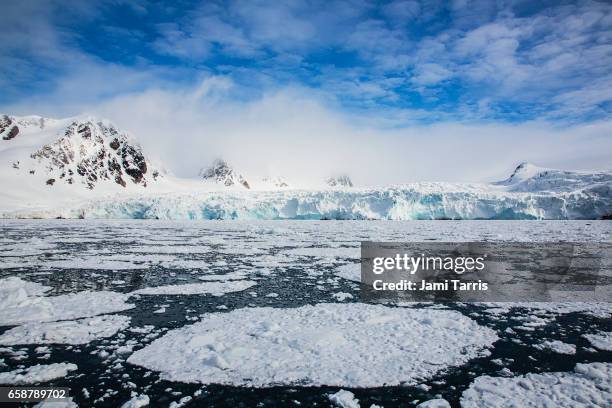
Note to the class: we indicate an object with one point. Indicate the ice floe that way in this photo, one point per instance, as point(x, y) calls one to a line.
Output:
point(26, 305)
point(587, 386)
point(213, 288)
point(557, 346)
point(137, 401)
point(602, 341)
point(434, 403)
point(344, 399)
point(350, 345)
point(37, 374)
point(65, 332)
point(67, 403)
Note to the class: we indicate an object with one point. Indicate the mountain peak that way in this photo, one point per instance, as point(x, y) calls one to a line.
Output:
point(81, 150)
point(222, 173)
point(523, 171)
point(339, 181)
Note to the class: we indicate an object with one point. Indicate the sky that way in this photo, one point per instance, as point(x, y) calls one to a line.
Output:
point(387, 91)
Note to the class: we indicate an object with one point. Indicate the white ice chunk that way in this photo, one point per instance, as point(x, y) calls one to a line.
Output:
point(344, 399)
point(214, 288)
point(345, 345)
point(602, 341)
point(434, 403)
point(29, 306)
point(558, 347)
point(37, 374)
point(137, 402)
point(65, 332)
point(587, 386)
point(67, 403)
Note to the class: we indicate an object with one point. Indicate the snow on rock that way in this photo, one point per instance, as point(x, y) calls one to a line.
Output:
point(83, 151)
point(587, 386)
point(214, 288)
point(27, 306)
point(344, 399)
point(344, 345)
point(65, 332)
point(37, 374)
point(137, 402)
point(602, 341)
point(434, 403)
point(339, 181)
point(557, 346)
point(222, 173)
point(528, 177)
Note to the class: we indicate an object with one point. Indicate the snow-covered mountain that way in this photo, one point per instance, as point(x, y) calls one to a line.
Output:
point(84, 152)
point(528, 177)
point(85, 167)
point(223, 174)
point(339, 181)
point(220, 172)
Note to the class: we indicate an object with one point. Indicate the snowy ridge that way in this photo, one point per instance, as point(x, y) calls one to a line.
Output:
point(528, 177)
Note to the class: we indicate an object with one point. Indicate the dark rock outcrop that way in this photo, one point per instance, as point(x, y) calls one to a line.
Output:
point(339, 181)
point(8, 129)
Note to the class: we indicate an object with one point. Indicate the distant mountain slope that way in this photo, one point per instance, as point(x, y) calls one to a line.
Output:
point(79, 151)
point(339, 181)
point(528, 177)
point(222, 173)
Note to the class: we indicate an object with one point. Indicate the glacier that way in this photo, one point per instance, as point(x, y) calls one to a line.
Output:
point(394, 203)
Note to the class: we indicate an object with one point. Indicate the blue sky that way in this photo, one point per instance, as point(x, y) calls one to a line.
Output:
point(424, 61)
point(388, 65)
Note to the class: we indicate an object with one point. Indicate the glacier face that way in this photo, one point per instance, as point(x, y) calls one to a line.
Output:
point(396, 203)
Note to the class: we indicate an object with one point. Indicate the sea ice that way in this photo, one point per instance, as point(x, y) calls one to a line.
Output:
point(434, 403)
point(138, 401)
point(602, 341)
point(26, 305)
point(68, 403)
point(587, 386)
point(557, 346)
point(214, 288)
point(348, 345)
point(65, 332)
point(344, 399)
point(37, 374)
